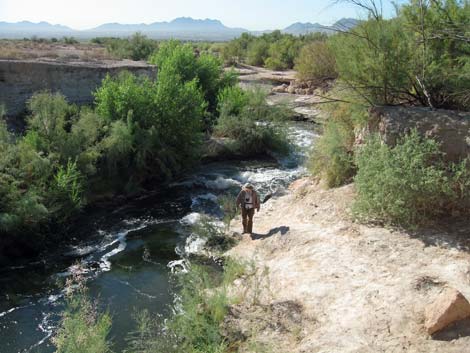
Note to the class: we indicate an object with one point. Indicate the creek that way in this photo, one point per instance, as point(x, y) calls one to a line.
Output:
point(127, 254)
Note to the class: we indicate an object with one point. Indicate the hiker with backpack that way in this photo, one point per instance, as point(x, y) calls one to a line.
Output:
point(248, 200)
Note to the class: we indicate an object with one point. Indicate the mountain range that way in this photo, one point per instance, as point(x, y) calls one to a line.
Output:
point(180, 28)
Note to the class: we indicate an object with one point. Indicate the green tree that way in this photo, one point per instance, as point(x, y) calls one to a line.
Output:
point(440, 30)
point(374, 60)
point(316, 61)
point(257, 52)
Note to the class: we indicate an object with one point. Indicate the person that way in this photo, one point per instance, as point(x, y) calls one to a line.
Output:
point(248, 200)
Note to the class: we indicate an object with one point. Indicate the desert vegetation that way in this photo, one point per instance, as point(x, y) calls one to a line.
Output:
point(396, 61)
point(140, 132)
point(276, 51)
point(203, 302)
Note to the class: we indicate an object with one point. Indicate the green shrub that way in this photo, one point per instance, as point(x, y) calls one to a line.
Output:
point(83, 329)
point(332, 155)
point(284, 51)
point(375, 60)
point(69, 40)
point(257, 52)
point(206, 69)
point(156, 127)
point(403, 59)
point(195, 327)
point(440, 50)
point(43, 174)
point(316, 62)
point(68, 189)
point(274, 64)
point(409, 184)
point(229, 207)
point(136, 47)
point(256, 127)
point(273, 50)
point(140, 47)
point(232, 100)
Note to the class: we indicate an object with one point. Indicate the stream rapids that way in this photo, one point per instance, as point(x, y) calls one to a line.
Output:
point(128, 254)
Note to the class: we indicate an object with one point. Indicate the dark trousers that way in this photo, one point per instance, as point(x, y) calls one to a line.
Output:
point(247, 219)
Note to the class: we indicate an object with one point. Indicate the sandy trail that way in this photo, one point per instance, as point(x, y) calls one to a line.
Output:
point(362, 289)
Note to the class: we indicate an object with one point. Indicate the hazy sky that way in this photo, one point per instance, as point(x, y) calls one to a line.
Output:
point(250, 14)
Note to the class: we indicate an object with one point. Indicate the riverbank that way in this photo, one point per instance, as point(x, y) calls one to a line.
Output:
point(326, 284)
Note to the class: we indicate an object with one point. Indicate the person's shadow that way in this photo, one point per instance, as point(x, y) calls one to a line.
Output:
point(283, 230)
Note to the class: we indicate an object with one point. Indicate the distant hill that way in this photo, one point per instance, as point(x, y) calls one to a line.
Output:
point(305, 28)
point(26, 28)
point(185, 28)
point(182, 27)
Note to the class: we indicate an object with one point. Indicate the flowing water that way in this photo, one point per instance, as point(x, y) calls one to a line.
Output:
point(129, 253)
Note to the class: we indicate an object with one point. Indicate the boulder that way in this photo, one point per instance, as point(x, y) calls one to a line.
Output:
point(280, 89)
point(291, 89)
point(450, 128)
point(449, 307)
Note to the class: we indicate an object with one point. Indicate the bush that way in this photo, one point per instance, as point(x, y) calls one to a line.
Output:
point(156, 127)
point(316, 62)
point(257, 52)
point(68, 189)
point(228, 205)
point(375, 60)
point(273, 50)
point(137, 47)
point(40, 176)
point(403, 60)
point(140, 47)
point(440, 50)
point(69, 40)
point(232, 100)
point(256, 127)
point(332, 155)
point(195, 326)
point(83, 329)
point(274, 64)
point(206, 69)
point(408, 184)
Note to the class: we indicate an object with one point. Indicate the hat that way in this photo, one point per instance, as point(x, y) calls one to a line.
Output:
point(248, 186)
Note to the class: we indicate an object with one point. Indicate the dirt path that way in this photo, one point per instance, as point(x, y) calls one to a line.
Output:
point(361, 289)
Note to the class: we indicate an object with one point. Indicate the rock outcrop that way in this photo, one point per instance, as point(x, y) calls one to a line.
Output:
point(450, 307)
point(77, 81)
point(303, 87)
point(450, 128)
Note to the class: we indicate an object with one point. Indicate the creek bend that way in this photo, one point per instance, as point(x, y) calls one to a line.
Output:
point(127, 254)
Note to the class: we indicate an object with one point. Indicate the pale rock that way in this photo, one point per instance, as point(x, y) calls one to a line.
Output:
point(280, 89)
point(291, 89)
point(449, 307)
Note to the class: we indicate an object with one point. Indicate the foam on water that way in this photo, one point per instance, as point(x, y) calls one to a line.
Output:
point(221, 183)
point(177, 266)
point(191, 218)
point(194, 245)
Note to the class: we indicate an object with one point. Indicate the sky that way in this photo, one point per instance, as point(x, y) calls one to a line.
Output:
point(248, 14)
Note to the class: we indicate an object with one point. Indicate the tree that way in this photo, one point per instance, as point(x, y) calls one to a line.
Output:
point(316, 61)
